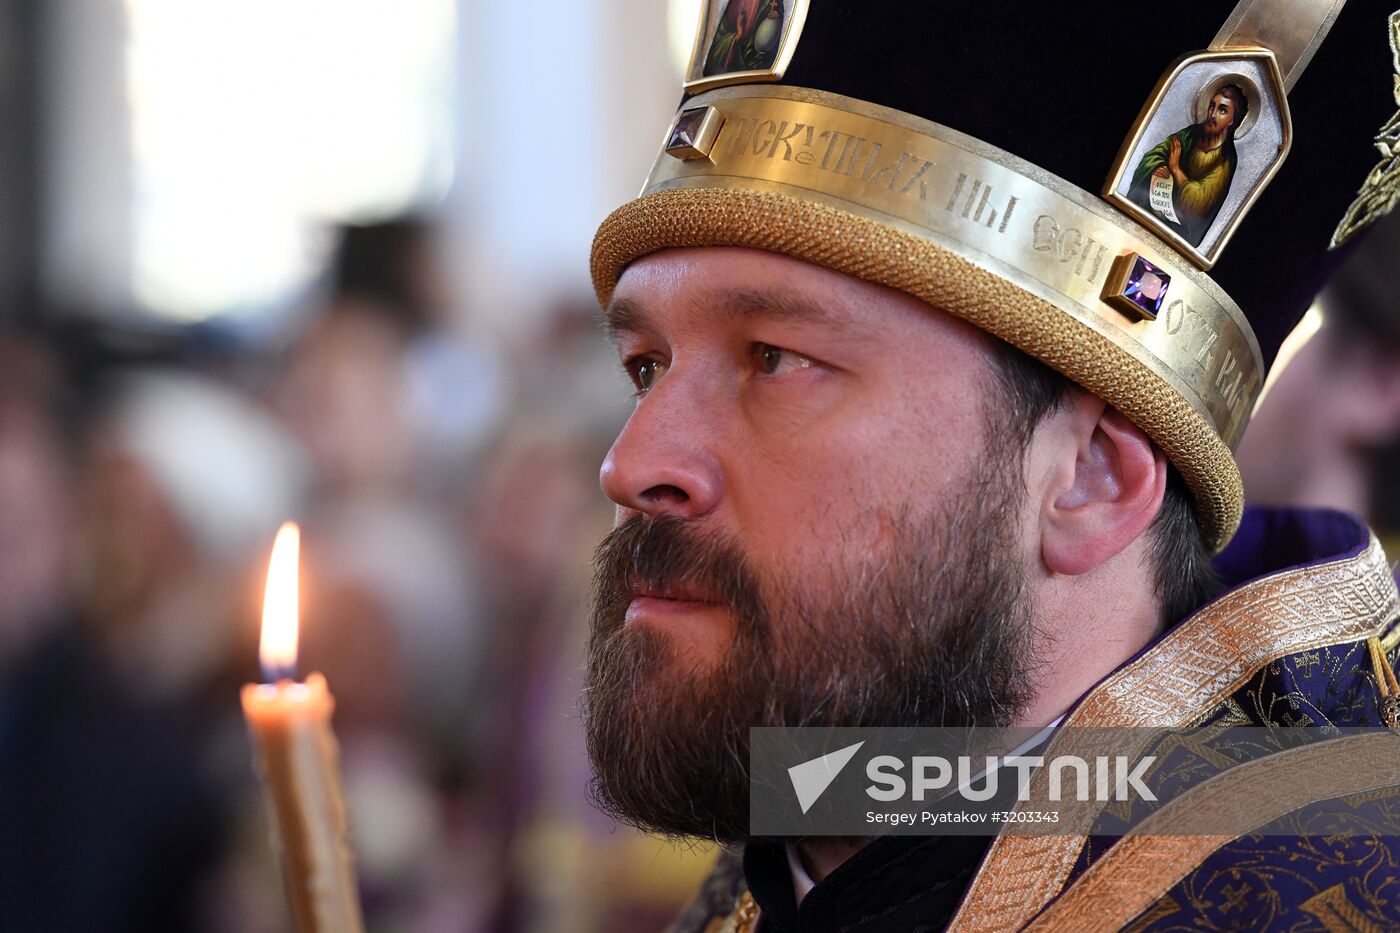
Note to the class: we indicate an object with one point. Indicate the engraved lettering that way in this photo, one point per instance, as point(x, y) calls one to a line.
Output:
point(1203, 351)
point(1092, 248)
point(957, 189)
point(1229, 378)
point(1174, 317)
point(1199, 329)
point(1070, 242)
point(831, 146)
point(804, 157)
point(764, 127)
point(971, 196)
point(785, 140)
point(1232, 393)
point(870, 162)
point(907, 173)
point(982, 206)
point(850, 152)
point(1006, 218)
point(889, 175)
point(1227, 366)
point(1067, 244)
point(1085, 253)
point(743, 136)
point(1098, 262)
point(923, 186)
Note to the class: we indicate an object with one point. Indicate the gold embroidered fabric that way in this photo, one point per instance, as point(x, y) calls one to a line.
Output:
point(743, 919)
point(1193, 670)
point(1382, 187)
point(1144, 867)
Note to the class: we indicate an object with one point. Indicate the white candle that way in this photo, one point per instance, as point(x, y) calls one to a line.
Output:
point(299, 762)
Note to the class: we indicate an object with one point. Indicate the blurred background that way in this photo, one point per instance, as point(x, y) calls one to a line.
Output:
point(323, 260)
point(328, 261)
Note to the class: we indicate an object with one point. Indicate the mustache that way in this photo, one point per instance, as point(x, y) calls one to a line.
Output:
point(666, 553)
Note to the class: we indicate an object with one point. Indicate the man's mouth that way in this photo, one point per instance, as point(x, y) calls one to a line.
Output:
point(665, 599)
point(676, 591)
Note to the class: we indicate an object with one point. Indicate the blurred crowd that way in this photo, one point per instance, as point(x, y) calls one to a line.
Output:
point(447, 489)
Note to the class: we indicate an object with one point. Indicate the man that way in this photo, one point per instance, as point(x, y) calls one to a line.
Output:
point(1200, 160)
point(895, 462)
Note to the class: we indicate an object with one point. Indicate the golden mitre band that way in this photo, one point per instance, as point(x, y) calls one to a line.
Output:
point(974, 231)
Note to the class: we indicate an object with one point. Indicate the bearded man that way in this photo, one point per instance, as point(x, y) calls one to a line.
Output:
point(900, 457)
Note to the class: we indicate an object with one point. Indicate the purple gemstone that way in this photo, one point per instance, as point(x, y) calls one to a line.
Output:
point(1147, 286)
point(687, 131)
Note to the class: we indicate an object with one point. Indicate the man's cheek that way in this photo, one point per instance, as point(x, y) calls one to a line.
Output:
point(836, 542)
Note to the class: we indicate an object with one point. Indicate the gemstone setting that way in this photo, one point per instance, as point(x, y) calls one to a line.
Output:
point(694, 133)
point(1136, 287)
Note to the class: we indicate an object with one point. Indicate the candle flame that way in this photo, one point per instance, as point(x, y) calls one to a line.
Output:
point(278, 650)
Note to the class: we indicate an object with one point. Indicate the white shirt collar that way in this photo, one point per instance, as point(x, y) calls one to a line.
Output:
point(801, 881)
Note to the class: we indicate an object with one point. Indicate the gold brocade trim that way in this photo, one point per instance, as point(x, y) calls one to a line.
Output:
point(1194, 668)
point(743, 919)
point(1381, 189)
point(976, 232)
point(1141, 868)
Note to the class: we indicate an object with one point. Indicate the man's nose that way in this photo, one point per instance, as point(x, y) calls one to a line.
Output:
point(660, 464)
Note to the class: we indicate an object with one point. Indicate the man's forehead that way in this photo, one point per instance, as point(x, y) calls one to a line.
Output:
point(717, 305)
point(728, 286)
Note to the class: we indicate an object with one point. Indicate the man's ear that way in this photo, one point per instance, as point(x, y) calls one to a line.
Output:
point(1099, 504)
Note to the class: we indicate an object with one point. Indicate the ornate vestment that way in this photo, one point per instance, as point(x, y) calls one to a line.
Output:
point(1288, 643)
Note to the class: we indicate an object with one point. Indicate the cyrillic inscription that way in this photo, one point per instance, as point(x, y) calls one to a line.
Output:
point(983, 203)
point(1069, 244)
point(830, 151)
point(1217, 360)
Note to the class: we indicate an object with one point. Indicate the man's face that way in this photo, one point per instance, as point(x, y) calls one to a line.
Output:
point(788, 407)
point(1220, 114)
point(817, 524)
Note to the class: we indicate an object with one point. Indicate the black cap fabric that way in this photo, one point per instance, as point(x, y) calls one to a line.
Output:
point(1061, 85)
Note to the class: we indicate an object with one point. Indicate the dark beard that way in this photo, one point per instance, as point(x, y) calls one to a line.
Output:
point(934, 632)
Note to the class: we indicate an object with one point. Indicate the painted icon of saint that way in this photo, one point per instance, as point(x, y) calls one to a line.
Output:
point(1185, 178)
point(747, 37)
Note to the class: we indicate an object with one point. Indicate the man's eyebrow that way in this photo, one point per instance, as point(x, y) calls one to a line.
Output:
point(625, 316)
point(770, 304)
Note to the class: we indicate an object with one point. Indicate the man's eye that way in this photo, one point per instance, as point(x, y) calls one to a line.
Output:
point(645, 372)
point(773, 360)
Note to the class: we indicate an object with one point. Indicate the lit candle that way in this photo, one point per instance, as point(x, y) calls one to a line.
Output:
point(298, 760)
